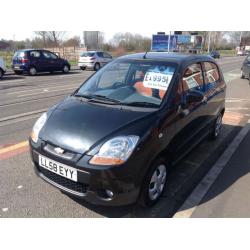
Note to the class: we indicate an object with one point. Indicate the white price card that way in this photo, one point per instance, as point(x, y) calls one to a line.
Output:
point(157, 80)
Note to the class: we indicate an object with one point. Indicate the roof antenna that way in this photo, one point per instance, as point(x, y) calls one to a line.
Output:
point(144, 57)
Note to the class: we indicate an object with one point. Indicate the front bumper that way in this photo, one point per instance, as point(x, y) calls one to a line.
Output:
point(92, 183)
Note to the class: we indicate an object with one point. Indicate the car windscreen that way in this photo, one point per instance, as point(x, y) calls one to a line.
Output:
point(141, 83)
point(87, 54)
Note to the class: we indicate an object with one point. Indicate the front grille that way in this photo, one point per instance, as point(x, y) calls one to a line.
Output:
point(66, 183)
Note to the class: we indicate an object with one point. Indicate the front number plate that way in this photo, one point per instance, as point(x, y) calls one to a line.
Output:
point(58, 168)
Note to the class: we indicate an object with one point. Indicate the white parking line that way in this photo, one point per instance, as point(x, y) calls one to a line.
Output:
point(193, 201)
point(43, 89)
point(56, 90)
point(17, 80)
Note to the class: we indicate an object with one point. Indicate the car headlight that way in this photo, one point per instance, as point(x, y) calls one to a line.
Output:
point(37, 127)
point(114, 151)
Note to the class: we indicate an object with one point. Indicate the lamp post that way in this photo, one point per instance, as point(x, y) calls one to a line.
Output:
point(209, 40)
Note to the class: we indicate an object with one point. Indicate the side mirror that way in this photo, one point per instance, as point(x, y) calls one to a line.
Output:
point(194, 96)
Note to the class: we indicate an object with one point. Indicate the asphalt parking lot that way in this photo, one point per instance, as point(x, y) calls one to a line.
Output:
point(24, 98)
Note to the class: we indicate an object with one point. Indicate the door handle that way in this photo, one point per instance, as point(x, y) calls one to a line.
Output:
point(204, 101)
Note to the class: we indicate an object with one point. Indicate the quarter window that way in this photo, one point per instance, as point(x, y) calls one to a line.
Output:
point(192, 78)
point(211, 72)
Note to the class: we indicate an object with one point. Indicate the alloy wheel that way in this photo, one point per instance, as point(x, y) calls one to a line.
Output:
point(157, 182)
point(32, 71)
point(218, 125)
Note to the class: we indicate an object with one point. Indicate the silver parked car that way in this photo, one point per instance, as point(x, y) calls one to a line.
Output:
point(93, 60)
point(2, 67)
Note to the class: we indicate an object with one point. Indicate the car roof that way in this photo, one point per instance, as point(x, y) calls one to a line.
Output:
point(27, 50)
point(172, 56)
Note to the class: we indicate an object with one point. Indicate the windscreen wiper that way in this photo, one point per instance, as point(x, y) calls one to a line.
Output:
point(84, 96)
point(104, 98)
point(141, 104)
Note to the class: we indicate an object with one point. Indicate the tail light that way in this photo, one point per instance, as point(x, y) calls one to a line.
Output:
point(92, 58)
point(24, 60)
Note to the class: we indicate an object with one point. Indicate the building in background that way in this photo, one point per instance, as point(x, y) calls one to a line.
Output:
point(92, 40)
point(4, 45)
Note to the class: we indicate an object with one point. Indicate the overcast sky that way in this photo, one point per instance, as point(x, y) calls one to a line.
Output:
point(22, 35)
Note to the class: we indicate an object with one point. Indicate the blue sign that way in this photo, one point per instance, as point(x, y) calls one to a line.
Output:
point(184, 39)
point(173, 42)
point(160, 42)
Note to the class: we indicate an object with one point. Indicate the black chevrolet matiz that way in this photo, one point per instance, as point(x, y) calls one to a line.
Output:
point(114, 140)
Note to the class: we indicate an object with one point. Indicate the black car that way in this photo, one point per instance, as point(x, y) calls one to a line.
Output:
point(114, 140)
point(215, 54)
point(245, 69)
point(38, 60)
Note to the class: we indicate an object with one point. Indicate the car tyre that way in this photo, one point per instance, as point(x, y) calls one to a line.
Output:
point(32, 71)
point(18, 72)
point(217, 127)
point(65, 69)
point(97, 66)
point(242, 76)
point(1, 74)
point(154, 183)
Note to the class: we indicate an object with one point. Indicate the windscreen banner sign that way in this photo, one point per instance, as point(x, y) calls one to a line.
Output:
point(160, 42)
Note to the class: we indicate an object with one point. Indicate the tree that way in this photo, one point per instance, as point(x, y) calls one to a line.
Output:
point(43, 35)
point(55, 37)
point(37, 43)
point(72, 42)
point(131, 42)
point(51, 38)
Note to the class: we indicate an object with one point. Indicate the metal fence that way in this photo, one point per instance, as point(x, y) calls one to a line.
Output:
point(69, 53)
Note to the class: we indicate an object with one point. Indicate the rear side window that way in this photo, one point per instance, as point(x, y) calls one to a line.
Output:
point(35, 54)
point(100, 54)
point(192, 78)
point(211, 72)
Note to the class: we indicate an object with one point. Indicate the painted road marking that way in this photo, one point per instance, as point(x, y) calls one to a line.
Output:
point(195, 198)
point(14, 147)
point(232, 118)
point(12, 117)
point(56, 90)
point(48, 88)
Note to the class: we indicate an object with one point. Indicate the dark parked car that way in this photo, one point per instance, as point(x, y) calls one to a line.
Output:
point(245, 69)
point(215, 54)
point(33, 61)
point(114, 140)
